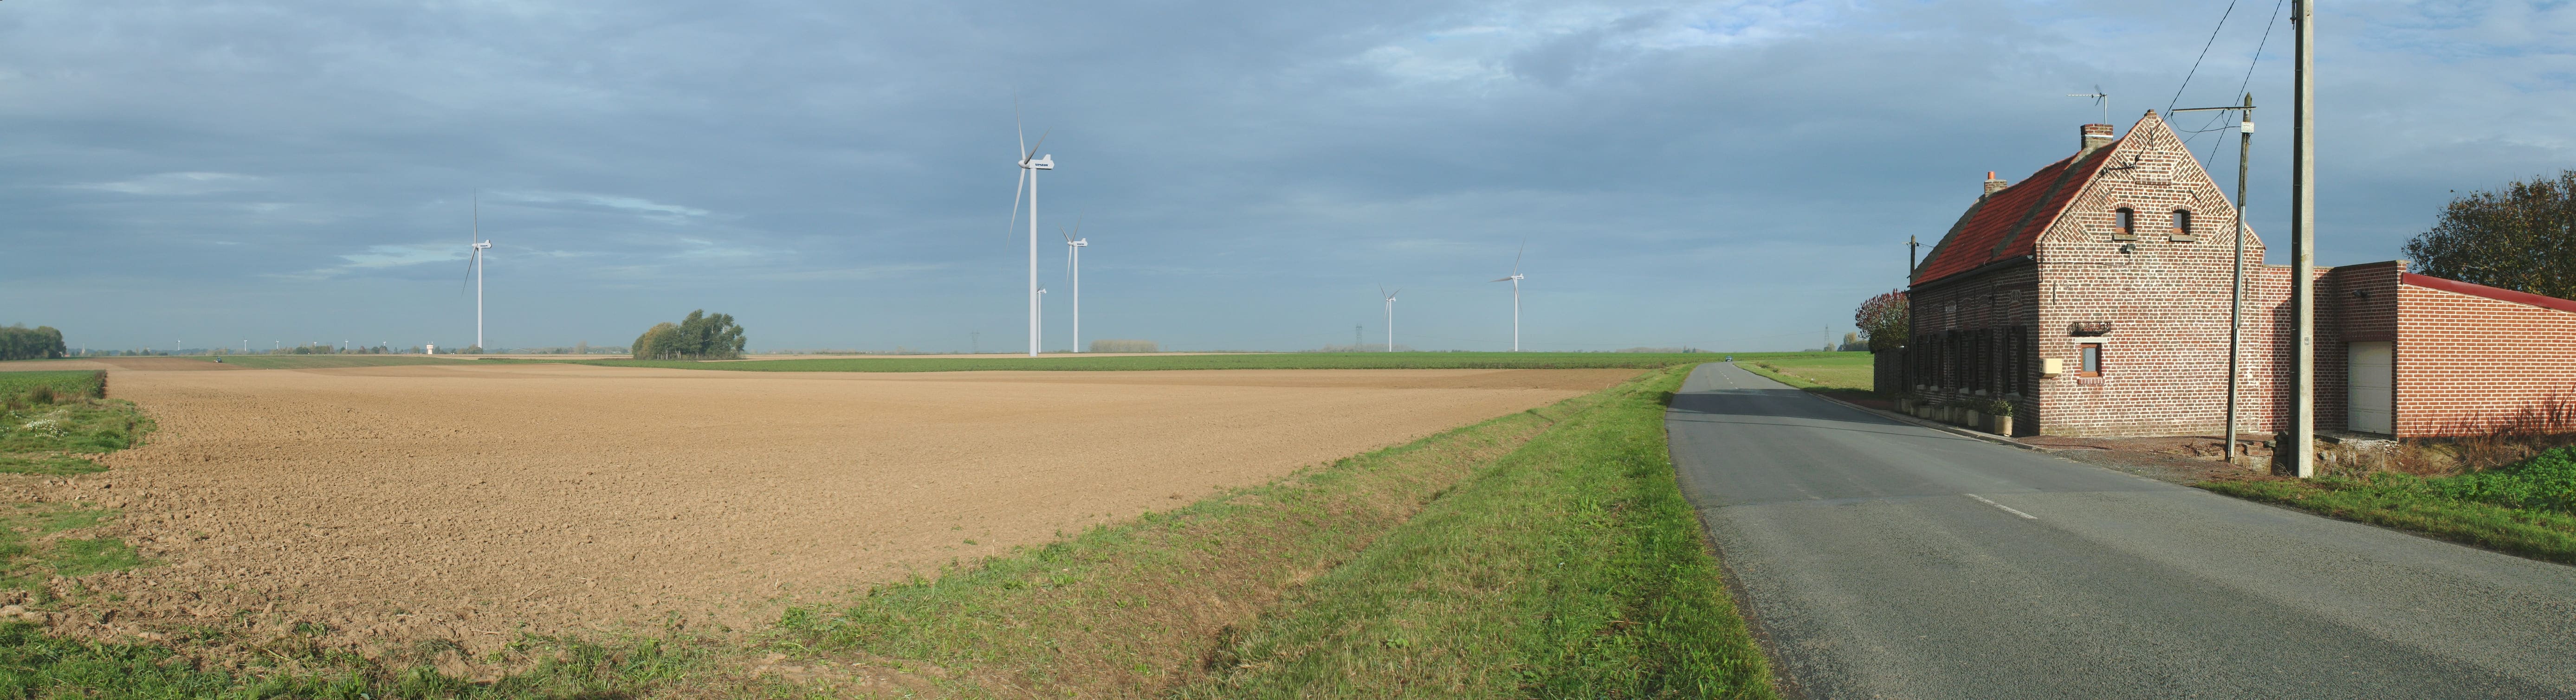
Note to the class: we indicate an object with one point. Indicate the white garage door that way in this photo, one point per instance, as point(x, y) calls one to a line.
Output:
point(2373, 400)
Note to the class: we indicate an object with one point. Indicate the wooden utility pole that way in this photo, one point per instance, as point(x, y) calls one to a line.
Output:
point(2236, 301)
point(2300, 449)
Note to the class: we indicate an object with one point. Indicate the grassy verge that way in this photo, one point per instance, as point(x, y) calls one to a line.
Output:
point(1573, 568)
point(1842, 375)
point(2524, 509)
point(1544, 553)
point(1300, 360)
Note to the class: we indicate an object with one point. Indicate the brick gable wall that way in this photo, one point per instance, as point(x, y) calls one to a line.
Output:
point(2165, 299)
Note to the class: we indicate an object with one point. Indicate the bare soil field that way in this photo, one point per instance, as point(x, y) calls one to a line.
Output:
point(470, 503)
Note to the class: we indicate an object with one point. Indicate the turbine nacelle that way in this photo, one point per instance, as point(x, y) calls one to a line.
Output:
point(1045, 162)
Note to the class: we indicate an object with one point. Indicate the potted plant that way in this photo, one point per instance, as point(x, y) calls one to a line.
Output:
point(1998, 418)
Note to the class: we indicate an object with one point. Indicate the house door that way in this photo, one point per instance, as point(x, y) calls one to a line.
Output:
point(2372, 403)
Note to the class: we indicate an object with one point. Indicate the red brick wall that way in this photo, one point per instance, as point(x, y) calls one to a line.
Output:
point(2465, 363)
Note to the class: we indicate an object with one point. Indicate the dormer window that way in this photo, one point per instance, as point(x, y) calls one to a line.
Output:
point(2124, 224)
point(2182, 227)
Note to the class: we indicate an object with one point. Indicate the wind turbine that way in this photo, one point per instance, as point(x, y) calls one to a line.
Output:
point(1030, 164)
point(2099, 98)
point(1073, 274)
point(1390, 315)
point(1515, 279)
point(474, 268)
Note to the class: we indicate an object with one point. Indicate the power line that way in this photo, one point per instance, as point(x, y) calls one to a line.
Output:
point(2204, 53)
point(2250, 64)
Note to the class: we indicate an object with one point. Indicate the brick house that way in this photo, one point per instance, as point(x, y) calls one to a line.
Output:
point(2093, 296)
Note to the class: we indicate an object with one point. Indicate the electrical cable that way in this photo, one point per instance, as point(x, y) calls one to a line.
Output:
point(2204, 54)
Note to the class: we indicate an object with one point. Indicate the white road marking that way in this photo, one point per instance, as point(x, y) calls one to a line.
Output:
point(2007, 509)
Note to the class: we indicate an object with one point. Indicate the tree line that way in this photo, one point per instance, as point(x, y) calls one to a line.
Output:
point(2521, 237)
point(699, 336)
point(18, 342)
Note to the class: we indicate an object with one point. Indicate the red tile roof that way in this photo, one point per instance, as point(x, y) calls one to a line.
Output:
point(2007, 224)
point(2480, 290)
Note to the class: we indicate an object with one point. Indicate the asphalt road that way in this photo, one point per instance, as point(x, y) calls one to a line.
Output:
point(1882, 559)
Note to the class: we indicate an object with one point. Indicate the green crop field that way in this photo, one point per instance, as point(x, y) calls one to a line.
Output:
point(1297, 360)
point(90, 383)
point(1848, 371)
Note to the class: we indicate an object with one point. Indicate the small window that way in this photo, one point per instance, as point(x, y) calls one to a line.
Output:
point(2091, 364)
point(2124, 224)
point(2182, 226)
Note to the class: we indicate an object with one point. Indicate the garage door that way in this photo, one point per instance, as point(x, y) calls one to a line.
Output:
point(2373, 401)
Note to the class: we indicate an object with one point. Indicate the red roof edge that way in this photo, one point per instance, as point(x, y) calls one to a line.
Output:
point(2496, 293)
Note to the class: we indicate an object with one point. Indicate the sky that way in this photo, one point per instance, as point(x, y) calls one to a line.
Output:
point(1730, 175)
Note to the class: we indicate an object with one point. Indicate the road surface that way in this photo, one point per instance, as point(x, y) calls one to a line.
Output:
point(1882, 559)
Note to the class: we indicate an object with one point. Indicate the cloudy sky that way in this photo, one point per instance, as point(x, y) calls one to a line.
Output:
point(1733, 174)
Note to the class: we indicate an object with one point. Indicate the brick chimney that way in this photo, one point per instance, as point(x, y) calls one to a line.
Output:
point(2095, 136)
point(1993, 185)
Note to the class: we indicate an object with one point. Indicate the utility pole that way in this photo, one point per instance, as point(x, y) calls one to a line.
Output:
point(2301, 448)
point(2236, 301)
point(1355, 337)
point(974, 342)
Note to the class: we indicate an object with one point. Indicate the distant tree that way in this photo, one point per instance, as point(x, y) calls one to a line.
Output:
point(1883, 321)
point(699, 336)
point(18, 342)
point(2522, 238)
point(581, 348)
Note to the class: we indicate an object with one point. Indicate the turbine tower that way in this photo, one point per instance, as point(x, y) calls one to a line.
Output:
point(1030, 164)
point(1390, 315)
point(1515, 279)
point(1073, 274)
point(474, 268)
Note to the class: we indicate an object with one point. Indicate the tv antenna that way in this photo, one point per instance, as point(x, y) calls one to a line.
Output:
point(2099, 98)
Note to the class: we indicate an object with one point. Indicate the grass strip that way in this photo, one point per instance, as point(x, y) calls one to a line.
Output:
point(1573, 568)
point(2406, 503)
point(1130, 363)
point(1121, 611)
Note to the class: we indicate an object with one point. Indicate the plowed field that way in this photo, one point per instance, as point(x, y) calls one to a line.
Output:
point(469, 503)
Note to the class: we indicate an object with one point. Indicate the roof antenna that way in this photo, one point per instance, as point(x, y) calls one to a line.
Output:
point(2099, 98)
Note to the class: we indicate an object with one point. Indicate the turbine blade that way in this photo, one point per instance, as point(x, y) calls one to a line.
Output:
point(1017, 189)
point(1516, 256)
point(1019, 125)
point(1033, 150)
point(1502, 279)
point(471, 256)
